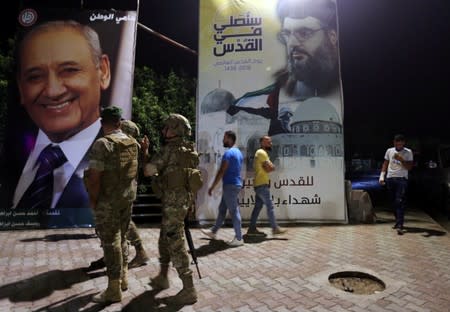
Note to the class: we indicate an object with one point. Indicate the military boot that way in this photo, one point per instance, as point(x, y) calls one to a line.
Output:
point(124, 278)
point(160, 281)
point(111, 294)
point(188, 295)
point(140, 259)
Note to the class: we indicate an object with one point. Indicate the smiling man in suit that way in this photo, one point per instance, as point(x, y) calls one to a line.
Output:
point(61, 73)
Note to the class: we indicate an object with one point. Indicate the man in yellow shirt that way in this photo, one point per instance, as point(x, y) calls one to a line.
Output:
point(263, 166)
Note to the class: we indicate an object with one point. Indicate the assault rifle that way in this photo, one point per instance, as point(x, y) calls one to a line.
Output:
point(191, 244)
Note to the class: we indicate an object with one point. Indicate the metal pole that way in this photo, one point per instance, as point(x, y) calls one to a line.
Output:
point(161, 36)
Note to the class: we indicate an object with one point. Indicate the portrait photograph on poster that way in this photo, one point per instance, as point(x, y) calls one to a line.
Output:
point(272, 68)
point(67, 70)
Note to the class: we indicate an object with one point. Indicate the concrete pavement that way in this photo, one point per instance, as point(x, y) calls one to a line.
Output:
point(41, 270)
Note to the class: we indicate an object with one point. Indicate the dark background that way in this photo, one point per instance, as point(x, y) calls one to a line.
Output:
point(395, 62)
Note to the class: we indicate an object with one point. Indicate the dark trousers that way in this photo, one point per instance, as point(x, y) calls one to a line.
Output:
point(397, 192)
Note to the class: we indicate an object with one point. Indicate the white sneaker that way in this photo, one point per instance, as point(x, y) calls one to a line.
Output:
point(235, 242)
point(209, 233)
point(278, 230)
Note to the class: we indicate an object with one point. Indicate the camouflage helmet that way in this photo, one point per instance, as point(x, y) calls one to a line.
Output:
point(178, 124)
point(130, 128)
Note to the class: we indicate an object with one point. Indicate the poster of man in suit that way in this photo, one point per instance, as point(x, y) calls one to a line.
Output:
point(67, 66)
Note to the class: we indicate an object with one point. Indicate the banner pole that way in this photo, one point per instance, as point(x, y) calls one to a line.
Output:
point(167, 39)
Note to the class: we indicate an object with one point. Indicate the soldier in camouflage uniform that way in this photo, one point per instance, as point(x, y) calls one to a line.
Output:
point(171, 167)
point(111, 183)
point(141, 258)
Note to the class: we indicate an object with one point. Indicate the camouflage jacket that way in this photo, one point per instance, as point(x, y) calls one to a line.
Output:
point(116, 155)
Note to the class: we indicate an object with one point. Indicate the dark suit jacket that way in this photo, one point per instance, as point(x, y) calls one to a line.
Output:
point(72, 208)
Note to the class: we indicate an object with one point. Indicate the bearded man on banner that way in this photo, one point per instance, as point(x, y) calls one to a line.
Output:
point(309, 33)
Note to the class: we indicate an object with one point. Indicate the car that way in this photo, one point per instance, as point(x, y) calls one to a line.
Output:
point(429, 179)
point(364, 173)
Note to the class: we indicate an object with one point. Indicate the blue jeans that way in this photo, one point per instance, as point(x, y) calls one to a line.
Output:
point(397, 191)
point(262, 193)
point(229, 201)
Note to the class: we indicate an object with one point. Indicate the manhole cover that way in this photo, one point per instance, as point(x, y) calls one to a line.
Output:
point(357, 282)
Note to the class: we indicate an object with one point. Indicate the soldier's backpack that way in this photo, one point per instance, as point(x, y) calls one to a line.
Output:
point(127, 156)
point(195, 179)
point(189, 160)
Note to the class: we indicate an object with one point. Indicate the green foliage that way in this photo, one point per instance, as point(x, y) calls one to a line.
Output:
point(155, 97)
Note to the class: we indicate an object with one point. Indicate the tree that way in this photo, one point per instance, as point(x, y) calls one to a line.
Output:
point(155, 97)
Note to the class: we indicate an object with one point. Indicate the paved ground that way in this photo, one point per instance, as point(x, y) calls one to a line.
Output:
point(41, 270)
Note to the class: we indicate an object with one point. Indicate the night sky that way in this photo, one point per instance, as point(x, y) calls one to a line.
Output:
point(395, 63)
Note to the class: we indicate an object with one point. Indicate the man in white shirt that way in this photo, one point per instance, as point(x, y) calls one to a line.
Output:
point(61, 74)
point(398, 160)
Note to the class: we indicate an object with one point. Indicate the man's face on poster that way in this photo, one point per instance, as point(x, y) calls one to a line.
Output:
point(311, 49)
point(59, 82)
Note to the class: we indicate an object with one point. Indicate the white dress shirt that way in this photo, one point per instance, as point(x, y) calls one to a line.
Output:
point(74, 149)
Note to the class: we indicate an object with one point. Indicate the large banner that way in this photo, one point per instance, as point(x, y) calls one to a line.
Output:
point(70, 65)
point(272, 68)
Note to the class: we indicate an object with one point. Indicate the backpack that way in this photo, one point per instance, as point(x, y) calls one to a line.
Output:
point(127, 155)
point(188, 160)
point(195, 179)
point(184, 172)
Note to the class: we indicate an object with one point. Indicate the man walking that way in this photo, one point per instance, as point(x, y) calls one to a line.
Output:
point(263, 166)
point(171, 169)
point(230, 174)
point(398, 160)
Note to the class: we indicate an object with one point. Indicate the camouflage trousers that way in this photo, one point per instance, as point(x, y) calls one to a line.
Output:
point(172, 243)
point(133, 235)
point(111, 224)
